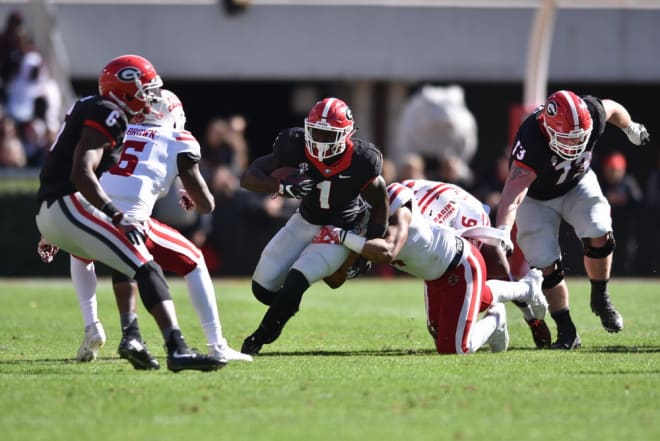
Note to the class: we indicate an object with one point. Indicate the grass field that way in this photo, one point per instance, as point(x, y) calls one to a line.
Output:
point(354, 364)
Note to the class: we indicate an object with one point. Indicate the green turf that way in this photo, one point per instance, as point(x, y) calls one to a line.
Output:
point(354, 364)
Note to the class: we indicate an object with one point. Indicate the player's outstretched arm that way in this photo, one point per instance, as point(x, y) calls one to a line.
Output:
point(619, 116)
point(194, 183)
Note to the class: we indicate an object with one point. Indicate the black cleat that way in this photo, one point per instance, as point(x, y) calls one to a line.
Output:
point(134, 350)
point(191, 360)
point(566, 342)
point(601, 305)
point(252, 345)
point(540, 333)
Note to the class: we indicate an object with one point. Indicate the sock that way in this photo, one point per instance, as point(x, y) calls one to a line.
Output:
point(564, 322)
point(598, 286)
point(128, 320)
point(287, 301)
point(83, 276)
point(481, 332)
point(202, 296)
point(174, 340)
point(508, 291)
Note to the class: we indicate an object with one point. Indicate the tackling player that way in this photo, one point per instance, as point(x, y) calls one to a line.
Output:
point(76, 215)
point(551, 180)
point(456, 289)
point(449, 204)
point(338, 176)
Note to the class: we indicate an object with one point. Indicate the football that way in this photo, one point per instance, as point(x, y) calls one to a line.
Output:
point(285, 172)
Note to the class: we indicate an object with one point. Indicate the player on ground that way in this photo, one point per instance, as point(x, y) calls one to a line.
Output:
point(551, 180)
point(456, 289)
point(449, 204)
point(155, 152)
point(76, 215)
point(339, 176)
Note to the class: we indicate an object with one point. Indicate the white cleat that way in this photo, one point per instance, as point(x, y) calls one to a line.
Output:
point(536, 300)
point(94, 339)
point(499, 339)
point(226, 354)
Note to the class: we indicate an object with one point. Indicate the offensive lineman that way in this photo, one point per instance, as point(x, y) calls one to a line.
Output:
point(77, 216)
point(550, 179)
point(338, 175)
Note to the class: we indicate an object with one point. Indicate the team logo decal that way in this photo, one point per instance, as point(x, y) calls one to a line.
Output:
point(349, 114)
point(303, 168)
point(554, 160)
point(551, 108)
point(129, 74)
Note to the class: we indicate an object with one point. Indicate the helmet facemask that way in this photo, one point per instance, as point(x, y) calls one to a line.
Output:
point(166, 111)
point(324, 141)
point(568, 145)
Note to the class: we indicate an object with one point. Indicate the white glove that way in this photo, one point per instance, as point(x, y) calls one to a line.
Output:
point(637, 133)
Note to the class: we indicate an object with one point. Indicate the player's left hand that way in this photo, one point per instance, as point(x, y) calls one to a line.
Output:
point(361, 266)
point(46, 251)
point(186, 201)
point(637, 134)
point(132, 229)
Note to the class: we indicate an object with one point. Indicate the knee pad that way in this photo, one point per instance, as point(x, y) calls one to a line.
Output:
point(599, 252)
point(262, 294)
point(152, 285)
point(118, 277)
point(555, 277)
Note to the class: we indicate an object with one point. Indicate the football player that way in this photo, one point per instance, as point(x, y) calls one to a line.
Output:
point(76, 215)
point(456, 289)
point(550, 180)
point(338, 176)
point(161, 149)
point(449, 204)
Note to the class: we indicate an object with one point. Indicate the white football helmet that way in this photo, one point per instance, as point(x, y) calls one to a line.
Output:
point(166, 111)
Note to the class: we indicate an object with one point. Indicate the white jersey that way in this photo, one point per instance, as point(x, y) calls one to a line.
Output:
point(448, 204)
point(147, 167)
point(430, 247)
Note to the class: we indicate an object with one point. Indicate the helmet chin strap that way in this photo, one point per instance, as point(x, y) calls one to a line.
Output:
point(122, 104)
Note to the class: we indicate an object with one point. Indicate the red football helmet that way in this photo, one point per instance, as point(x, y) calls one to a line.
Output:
point(328, 127)
point(130, 81)
point(568, 123)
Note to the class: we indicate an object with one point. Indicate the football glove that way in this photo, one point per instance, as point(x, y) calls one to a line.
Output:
point(637, 133)
point(361, 266)
point(186, 201)
point(293, 188)
point(131, 228)
point(46, 250)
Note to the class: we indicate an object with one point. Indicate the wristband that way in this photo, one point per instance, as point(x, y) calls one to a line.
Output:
point(354, 242)
point(112, 212)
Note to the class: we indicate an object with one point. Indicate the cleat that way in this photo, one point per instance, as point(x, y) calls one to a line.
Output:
point(602, 306)
point(540, 333)
point(133, 349)
point(252, 345)
point(537, 301)
point(567, 342)
point(499, 339)
point(191, 360)
point(93, 340)
point(226, 354)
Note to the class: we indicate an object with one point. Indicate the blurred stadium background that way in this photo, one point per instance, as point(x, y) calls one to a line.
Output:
point(267, 61)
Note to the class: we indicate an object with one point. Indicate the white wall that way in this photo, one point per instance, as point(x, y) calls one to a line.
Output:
point(198, 41)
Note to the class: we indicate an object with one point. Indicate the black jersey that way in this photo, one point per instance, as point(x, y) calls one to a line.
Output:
point(555, 176)
point(92, 111)
point(335, 200)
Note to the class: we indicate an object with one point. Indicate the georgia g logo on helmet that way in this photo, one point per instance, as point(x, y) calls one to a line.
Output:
point(129, 74)
point(551, 108)
point(349, 114)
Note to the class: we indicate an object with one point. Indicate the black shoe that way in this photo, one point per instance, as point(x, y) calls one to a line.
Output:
point(610, 318)
point(566, 342)
point(188, 359)
point(540, 333)
point(252, 345)
point(134, 350)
